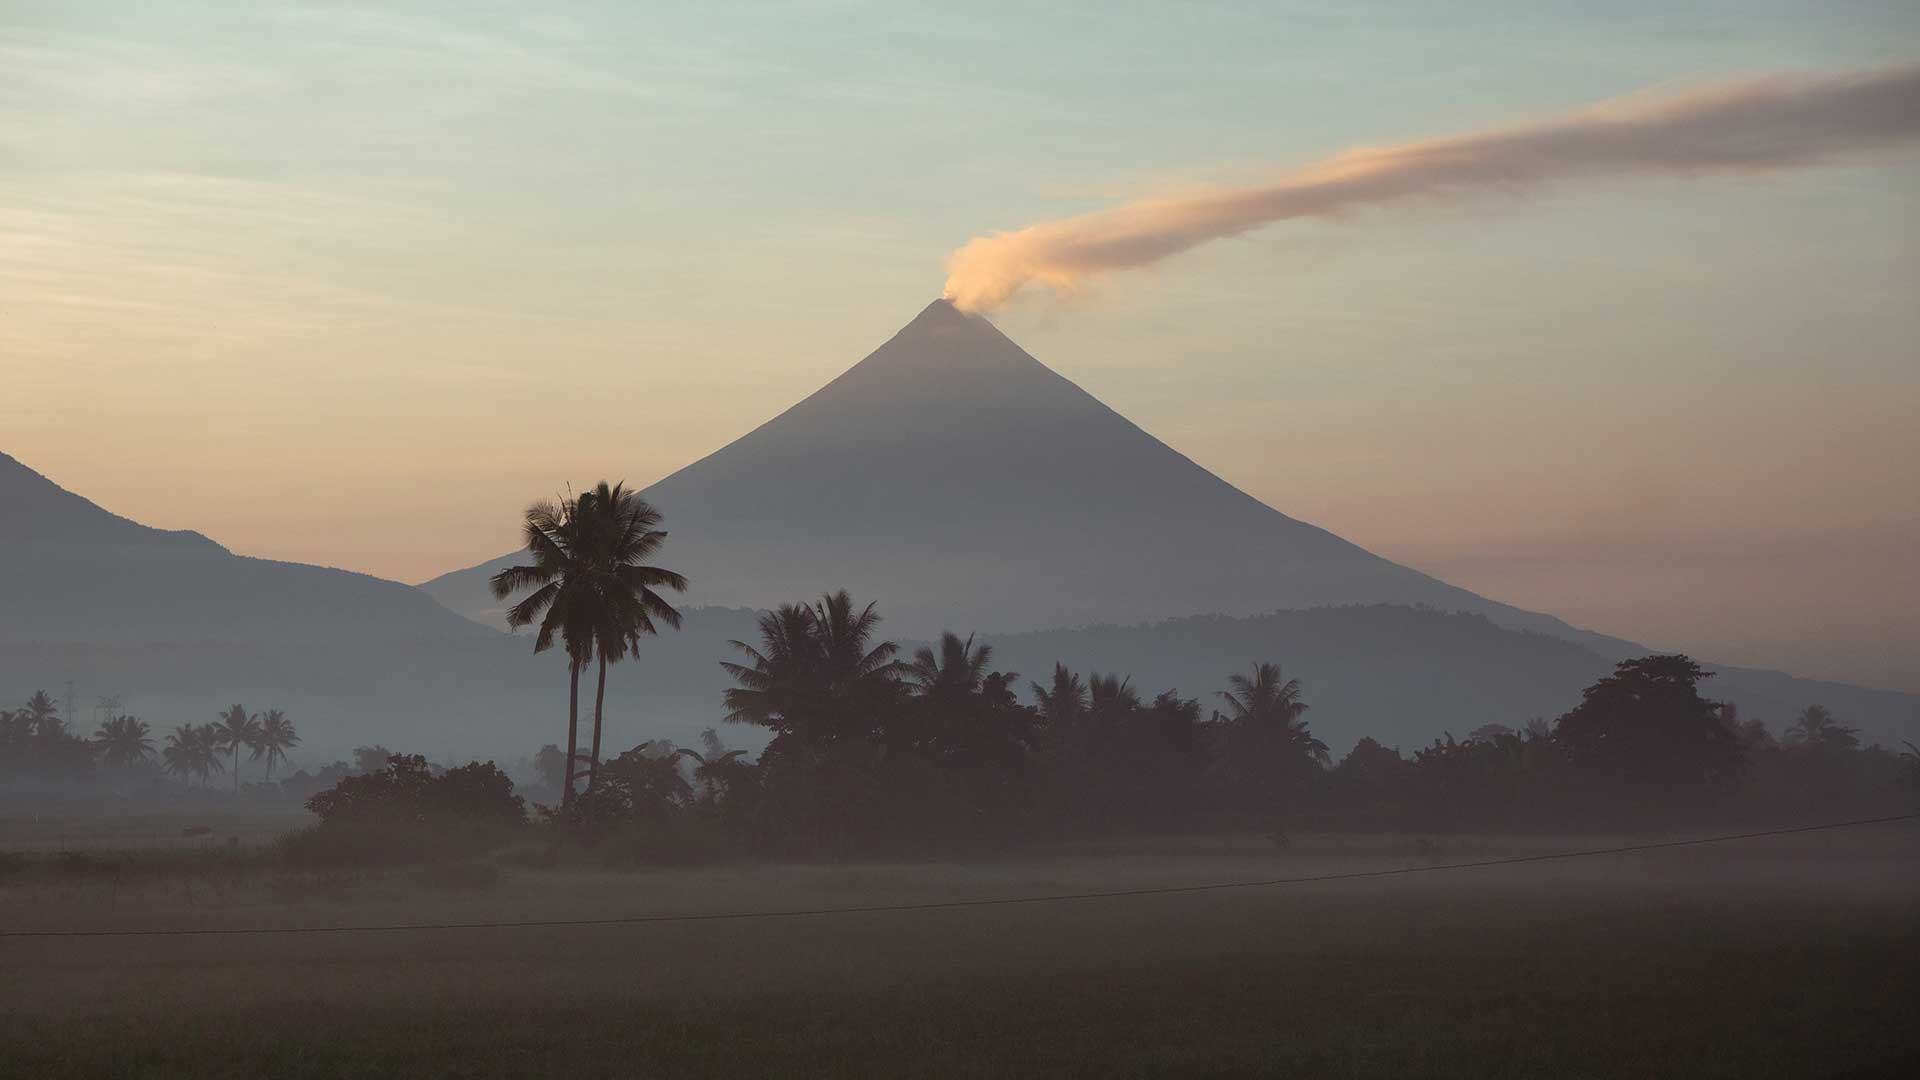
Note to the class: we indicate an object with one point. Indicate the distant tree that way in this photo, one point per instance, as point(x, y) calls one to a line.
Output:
point(34, 739)
point(124, 742)
point(1266, 749)
point(1063, 704)
point(1539, 727)
point(1065, 698)
point(407, 792)
point(42, 716)
point(713, 754)
point(236, 729)
point(15, 728)
point(1816, 729)
point(277, 736)
point(1644, 736)
point(1479, 783)
point(192, 750)
point(1488, 732)
point(955, 672)
point(639, 785)
point(551, 764)
point(1369, 782)
point(817, 675)
point(1751, 735)
point(1266, 701)
point(371, 759)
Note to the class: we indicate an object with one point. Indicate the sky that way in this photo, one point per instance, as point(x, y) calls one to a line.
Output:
point(352, 284)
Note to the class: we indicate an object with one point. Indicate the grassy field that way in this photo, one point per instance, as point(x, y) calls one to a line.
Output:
point(1784, 957)
point(181, 829)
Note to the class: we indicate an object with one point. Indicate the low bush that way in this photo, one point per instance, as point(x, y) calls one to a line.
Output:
point(406, 814)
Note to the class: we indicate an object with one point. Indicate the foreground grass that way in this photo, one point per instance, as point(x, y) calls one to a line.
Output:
point(1774, 960)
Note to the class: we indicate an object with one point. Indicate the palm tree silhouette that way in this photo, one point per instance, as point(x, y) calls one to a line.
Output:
point(1816, 729)
point(816, 670)
point(124, 741)
point(1264, 715)
point(560, 576)
point(41, 716)
point(1110, 697)
point(955, 673)
point(192, 750)
point(234, 730)
point(277, 736)
point(1267, 707)
point(779, 675)
point(710, 768)
point(1064, 701)
point(177, 757)
point(624, 531)
point(842, 639)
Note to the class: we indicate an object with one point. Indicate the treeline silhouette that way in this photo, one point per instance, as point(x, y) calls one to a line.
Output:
point(37, 742)
point(870, 750)
point(875, 752)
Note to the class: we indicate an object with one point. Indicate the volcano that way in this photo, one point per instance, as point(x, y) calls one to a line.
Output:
point(950, 477)
point(963, 484)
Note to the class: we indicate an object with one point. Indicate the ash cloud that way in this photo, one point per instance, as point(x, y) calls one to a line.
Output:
point(1770, 123)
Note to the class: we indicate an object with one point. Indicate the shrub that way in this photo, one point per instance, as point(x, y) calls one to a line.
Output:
point(405, 813)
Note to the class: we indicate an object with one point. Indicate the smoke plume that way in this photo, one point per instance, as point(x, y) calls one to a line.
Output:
point(1775, 122)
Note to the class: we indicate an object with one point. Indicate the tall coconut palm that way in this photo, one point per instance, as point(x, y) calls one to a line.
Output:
point(235, 729)
point(177, 756)
point(124, 741)
point(192, 750)
point(1267, 709)
point(623, 531)
point(41, 714)
point(1816, 729)
point(562, 576)
point(277, 736)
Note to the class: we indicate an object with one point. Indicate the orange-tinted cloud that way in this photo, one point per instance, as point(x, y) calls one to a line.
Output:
point(1776, 122)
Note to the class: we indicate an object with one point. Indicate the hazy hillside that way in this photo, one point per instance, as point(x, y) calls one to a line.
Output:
point(1406, 675)
point(76, 572)
point(949, 476)
point(179, 627)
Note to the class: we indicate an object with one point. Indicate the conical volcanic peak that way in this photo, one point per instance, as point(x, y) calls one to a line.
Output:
point(958, 481)
point(946, 359)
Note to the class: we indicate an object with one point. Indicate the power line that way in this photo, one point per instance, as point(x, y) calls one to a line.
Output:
point(938, 905)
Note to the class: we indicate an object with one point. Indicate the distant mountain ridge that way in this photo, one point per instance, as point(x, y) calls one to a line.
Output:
point(78, 572)
point(40, 511)
point(949, 477)
point(181, 627)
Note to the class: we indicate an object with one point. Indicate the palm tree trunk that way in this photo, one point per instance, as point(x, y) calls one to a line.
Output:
point(599, 699)
point(573, 727)
point(236, 768)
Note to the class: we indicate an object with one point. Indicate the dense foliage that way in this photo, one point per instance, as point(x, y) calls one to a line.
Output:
point(875, 752)
point(872, 750)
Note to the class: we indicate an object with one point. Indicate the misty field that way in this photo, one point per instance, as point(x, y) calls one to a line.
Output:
point(1786, 957)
